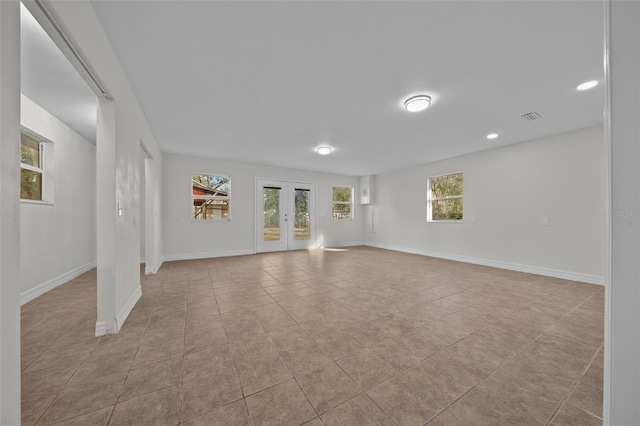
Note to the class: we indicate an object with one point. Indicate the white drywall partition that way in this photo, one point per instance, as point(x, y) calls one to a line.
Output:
point(119, 167)
point(153, 214)
point(622, 298)
point(108, 210)
point(9, 212)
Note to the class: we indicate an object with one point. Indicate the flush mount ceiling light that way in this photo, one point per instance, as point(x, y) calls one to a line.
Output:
point(588, 85)
point(417, 103)
point(324, 150)
point(492, 135)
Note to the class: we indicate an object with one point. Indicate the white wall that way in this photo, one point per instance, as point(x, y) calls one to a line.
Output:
point(9, 213)
point(188, 239)
point(119, 179)
point(622, 294)
point(508, 190)
point(57, 242)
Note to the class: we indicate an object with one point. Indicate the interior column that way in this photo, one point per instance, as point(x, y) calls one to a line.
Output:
point(106, 215)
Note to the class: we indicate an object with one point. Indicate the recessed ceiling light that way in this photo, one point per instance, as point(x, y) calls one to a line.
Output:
point(588, 85)
point(492, 135)
point(417, 103)
point(324, 150)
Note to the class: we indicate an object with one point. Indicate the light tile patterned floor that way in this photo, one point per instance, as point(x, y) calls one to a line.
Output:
point(350, 337)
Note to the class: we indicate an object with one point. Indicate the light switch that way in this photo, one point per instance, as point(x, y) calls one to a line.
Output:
point(474, 219)
point(544, 221)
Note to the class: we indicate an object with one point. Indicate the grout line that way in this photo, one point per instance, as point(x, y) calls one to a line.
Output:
point(307, 397)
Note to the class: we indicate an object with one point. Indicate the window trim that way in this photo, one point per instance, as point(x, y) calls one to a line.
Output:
point(350, 203)
point(226, 198)
point(45, 192)
point(450, 197)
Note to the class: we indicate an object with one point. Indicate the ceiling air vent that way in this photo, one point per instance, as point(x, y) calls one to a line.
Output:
point(530, 116)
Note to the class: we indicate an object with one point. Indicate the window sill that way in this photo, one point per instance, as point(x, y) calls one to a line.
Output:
point(44, 203)
point(445, 221)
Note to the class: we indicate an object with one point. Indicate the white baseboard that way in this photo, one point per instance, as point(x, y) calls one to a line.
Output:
point(556, 273)
point(208, 255)
point(192, 256)
point(347, 244)
point(31, 294)
point(106, 327)
point(126, 309)
point(150, 270)
point(112, 326)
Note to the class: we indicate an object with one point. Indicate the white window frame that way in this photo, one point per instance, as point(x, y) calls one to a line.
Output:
point(350, 203)
point(452, 197)
point(45, 147)
point(226, 198)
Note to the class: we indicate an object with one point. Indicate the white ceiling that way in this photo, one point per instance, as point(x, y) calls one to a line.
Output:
point(266, 82)
point(50, 80)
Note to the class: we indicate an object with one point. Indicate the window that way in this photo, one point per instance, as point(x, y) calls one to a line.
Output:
point(444, 198)
point(32, 176)
point(210, 194)
point(342, 202)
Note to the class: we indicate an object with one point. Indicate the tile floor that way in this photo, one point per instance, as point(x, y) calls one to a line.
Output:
point(351, 337)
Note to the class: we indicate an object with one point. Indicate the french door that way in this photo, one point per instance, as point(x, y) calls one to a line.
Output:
point(285, 217)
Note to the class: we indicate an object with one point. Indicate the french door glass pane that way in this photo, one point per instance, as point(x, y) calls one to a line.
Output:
point(301, 224)
point(271, 211)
